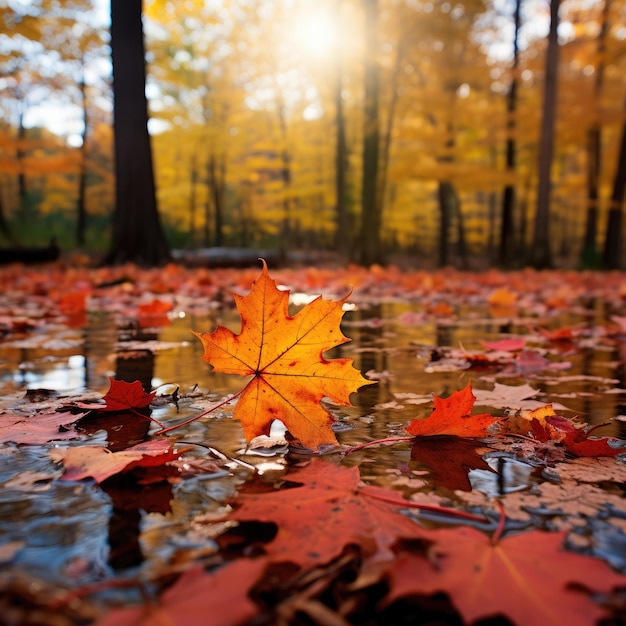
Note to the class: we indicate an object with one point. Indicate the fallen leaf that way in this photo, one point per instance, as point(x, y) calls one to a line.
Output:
point(99, 463)
point(284, 356)
point(122, 396)
point(507, 396)
point(39, 428)
point(325, 513)
point(579, 442)
point(452, 416)
point(507, 345)
point(198, 599)
point(529, 578)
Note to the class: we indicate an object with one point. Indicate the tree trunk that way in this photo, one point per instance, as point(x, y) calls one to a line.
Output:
point(343, 234)
point(217, 175)
point(589, 256)
point(445, 195)
point(506, 252)
point(193, 183)
point(540, 255)
point(371, 218)
point(613, 239)
point(81, 202)
point(137, 234)
point(386, 138)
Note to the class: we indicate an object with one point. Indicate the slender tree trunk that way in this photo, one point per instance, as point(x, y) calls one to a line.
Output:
point(137, 234)
point(217, 175)
point(193, 183)
point(81, 202)
point(445, 196)
point(589, 256)
point(19, 155)
point(540, 255)
point(460, 231)
point(5, 228)
point(343, 234)
point(371, 218)
point(613, 238)
point(386, 138)
point(506, 252)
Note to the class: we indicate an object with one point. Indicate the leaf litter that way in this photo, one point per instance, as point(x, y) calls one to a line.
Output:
point(553, 484)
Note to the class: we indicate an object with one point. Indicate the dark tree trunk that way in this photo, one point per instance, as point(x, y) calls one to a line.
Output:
point(5, 228)
point(506, 252)
point(371, 218)
point(445, 195)
point(460, 231)
point(137, 234)
point(217, 175)
point(81, 202)
point(540, 255)
point(589, 256)
point(193, 182)
point(613, 239)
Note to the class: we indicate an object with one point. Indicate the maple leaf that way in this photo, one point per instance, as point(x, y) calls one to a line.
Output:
point(452, 416)
point(122, 396)
point(527, 577)
point(284, 356)
point(99, 463)
point(325, 513)
point(198, 599)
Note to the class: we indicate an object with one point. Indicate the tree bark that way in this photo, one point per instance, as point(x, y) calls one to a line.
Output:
point(540, 255)
point(505, 251)
point(613, 239)
point(589, 253)
point(81, 202)
point(371, 218)
point(137, 233)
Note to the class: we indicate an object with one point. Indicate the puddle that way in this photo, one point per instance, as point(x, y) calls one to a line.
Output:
point(78, 533)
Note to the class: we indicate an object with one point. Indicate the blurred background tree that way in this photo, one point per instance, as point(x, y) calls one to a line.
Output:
point(392, 131)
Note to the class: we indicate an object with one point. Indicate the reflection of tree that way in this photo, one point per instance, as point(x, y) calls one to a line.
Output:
point(130, 498)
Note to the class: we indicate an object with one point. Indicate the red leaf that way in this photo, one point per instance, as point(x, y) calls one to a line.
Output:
point(99, 463)
point(199, 599)
point(39, 429)
point(527, 578)
point(122, 396)
point(317, 519)
point(452, 416)
point(579, 442)
point(508, 345)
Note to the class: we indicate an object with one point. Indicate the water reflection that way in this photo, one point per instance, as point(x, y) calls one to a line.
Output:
point(393, 341)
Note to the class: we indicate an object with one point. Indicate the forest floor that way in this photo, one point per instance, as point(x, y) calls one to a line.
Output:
point(476, 477)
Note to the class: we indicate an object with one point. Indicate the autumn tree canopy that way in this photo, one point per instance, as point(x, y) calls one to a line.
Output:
point(259, 112)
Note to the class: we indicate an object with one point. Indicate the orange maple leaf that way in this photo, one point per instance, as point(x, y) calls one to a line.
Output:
point(284, 356)
point(452, 416)
point(529, 578)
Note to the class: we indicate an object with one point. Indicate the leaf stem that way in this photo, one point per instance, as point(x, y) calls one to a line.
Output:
point(152, 419)
point(423, 507)
point(497, 535)
point(195, 417)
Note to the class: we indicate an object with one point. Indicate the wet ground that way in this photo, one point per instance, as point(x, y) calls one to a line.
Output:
point(414, 343)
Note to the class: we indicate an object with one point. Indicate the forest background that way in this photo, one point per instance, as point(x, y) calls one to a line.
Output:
point(472, 133)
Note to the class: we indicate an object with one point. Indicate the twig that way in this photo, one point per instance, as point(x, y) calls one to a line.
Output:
point(390, 440)
point(423, 507)
point(193, 419)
